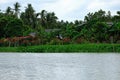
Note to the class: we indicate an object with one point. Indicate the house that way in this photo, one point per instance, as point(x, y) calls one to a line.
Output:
point(52, 30)
point(33, 34)
point(110, 23)
point(78, 27)
point(58, 35)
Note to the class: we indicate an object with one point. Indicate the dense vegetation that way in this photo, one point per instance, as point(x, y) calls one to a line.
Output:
point(15, 27)
point(65, 48)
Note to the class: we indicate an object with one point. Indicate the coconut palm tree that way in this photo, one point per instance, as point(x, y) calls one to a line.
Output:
point(29, 15)
point(9, 11)
point(43, 18)
point(16, 8)
point(52, 20)
point(118, 12)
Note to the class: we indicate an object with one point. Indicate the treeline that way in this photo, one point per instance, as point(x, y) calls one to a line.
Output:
point(97, 27)
point(13, 22)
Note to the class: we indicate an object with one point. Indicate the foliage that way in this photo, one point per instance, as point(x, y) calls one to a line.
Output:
point(97, 27)
point(3, 22)
point(14, 28)
point(16, 8)
point(65, 48)
point(100, 31)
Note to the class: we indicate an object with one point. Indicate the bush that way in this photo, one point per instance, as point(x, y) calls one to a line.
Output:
point(55, 41)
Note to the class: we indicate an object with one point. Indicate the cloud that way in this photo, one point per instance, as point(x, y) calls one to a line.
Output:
point(3, 1)
point(107, 5)
point(7, 1)
point(63, 7)
point(67, 9)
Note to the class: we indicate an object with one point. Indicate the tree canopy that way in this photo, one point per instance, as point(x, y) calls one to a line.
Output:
point(99, 26)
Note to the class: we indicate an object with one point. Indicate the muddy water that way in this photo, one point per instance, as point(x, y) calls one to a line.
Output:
point(59, 66)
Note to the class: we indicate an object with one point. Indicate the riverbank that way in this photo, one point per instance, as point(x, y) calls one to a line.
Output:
point(65, 48)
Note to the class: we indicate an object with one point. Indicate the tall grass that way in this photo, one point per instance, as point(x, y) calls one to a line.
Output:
point(65, 48)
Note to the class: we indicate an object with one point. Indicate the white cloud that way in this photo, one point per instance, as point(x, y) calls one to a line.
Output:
point(67, 9)
point(63, 7)
point(102, 4)
point(6, 1)
point(3, 1)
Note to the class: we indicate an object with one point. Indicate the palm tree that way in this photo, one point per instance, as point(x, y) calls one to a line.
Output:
point(16, 8)
point(29, 11)
point(23, 17)
point(43, 18)
point(51, 20)
point(36, 22)
point(53, 16)
point(118, 12)
point(109, 16)
point(9, 11)
point(48, 20)
point(29, 15)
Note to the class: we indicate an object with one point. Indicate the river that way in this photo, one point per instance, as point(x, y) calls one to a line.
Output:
point(60, 66)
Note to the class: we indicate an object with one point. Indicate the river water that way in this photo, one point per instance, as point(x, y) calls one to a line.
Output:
point(59, 66)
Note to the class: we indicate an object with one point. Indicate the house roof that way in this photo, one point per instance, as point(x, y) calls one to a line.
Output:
point(33, 34)
point(81, 24)
point(52, 30)
point(109, 23)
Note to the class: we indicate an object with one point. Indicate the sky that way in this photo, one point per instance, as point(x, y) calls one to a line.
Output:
point(67, 10)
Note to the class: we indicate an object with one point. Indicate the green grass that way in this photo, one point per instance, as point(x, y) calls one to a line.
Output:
point(65, 48)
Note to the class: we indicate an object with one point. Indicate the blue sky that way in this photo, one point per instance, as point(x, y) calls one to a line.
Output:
point(67, 9)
